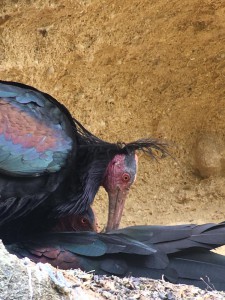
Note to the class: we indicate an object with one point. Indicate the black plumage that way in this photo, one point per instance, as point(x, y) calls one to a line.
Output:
point(50, 165)
point(180, 254)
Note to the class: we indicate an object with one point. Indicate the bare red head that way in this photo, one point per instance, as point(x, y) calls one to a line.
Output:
point(82, 222)
point(120, 175)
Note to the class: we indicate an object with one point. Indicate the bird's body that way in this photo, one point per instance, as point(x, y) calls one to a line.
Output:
point(180, 254)
point(36, 142)
point(50, 165)
point(51, 168)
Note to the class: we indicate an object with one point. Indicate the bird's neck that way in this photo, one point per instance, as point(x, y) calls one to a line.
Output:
point(83, 183)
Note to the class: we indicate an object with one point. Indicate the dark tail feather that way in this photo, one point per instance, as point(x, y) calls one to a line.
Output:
point(202, 269)
point(179, 253)
point(171, 239)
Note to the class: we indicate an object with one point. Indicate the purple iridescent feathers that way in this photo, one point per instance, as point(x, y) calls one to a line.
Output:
point(33, 136)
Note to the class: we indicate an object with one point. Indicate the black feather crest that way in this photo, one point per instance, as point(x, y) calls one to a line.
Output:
point(152, 147)
point(155, 148)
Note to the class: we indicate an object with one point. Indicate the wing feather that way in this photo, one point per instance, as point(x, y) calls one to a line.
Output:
point(35, 134)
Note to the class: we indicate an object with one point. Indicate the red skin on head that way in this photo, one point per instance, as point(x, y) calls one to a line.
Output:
point(82, 222)
point(120, 175)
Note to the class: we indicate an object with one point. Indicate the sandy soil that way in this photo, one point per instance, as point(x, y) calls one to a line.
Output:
point(131, 69)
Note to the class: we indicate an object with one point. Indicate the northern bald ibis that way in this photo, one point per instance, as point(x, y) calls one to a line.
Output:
point(51, 166)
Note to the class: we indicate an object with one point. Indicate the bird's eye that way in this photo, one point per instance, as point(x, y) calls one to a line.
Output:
point(84, 221)
point(126, 177)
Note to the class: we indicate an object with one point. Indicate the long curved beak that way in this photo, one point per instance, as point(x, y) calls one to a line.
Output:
point(116, 206)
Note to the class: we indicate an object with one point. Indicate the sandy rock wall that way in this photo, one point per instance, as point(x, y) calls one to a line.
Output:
point(130, 69)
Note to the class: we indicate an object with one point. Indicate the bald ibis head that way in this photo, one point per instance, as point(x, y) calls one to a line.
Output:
point(120, 175)
point(114, 166)
point(85, 221)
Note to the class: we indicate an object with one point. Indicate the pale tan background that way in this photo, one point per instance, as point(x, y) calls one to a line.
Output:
point(130, 69)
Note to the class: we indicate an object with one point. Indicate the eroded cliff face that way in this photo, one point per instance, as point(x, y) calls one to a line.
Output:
point(130, 69)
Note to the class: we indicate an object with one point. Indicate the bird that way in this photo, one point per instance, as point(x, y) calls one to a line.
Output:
point(179, 254)
point(85, 221)
point(51, 166)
